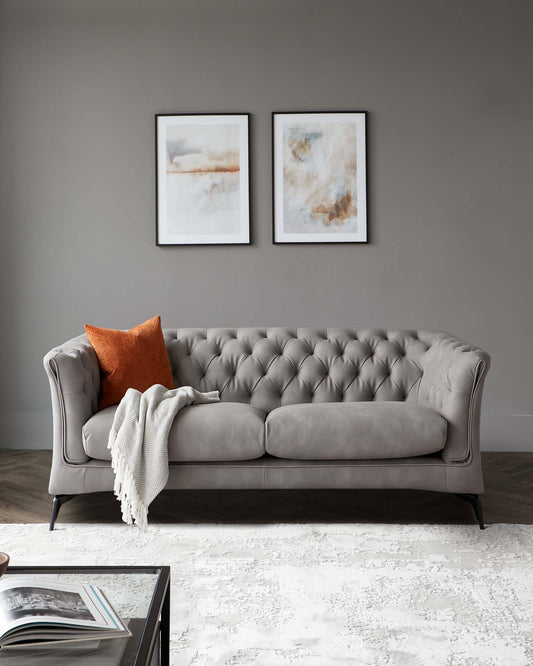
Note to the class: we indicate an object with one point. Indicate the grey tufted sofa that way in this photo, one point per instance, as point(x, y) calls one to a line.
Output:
point(300, 408)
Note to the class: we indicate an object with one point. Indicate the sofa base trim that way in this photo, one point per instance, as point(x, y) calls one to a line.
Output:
point(424, 473)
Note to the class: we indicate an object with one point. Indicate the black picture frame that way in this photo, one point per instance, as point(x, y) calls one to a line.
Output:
point(248, 226)
point(362, 155)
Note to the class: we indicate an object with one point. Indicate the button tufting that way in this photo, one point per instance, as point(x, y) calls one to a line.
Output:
point(333, 367)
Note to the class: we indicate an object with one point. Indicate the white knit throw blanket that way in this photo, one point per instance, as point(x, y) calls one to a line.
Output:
point(138, 442)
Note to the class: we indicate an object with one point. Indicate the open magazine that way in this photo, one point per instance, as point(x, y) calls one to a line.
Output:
point(43, 613)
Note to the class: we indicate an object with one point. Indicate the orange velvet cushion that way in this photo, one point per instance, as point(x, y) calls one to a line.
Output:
point(130, 359)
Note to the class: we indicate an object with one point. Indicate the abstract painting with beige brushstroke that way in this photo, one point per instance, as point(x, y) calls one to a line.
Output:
point(320, 177)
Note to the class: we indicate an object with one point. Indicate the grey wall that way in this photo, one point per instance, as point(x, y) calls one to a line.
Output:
point(447, 85)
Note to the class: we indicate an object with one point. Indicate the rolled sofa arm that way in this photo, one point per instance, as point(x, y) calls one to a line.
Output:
point(74, 376)
point(452, 383)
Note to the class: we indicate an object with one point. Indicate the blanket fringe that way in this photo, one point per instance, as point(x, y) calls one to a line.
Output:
point(133, 508)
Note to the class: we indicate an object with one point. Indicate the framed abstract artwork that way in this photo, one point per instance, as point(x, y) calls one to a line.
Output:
point(319, 177)
point(202, 179)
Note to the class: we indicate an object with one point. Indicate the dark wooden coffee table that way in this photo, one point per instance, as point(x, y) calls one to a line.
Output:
point(140, 596)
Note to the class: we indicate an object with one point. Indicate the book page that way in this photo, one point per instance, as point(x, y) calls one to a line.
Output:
point(27, 602)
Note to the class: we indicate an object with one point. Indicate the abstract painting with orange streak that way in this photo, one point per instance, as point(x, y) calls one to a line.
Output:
point(320, 177)
point(203, 179)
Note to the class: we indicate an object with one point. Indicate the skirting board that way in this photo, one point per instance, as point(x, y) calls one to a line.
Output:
point(500, 431)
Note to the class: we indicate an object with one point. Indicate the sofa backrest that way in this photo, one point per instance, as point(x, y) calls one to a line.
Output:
point(271, 367)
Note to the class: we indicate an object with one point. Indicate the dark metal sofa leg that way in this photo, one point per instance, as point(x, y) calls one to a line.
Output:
point(59, 500)
point(474, 500)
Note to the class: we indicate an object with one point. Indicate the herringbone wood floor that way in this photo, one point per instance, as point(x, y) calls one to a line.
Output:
point(508, 498)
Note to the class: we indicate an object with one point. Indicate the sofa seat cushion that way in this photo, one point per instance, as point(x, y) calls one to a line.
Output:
point(354, 430)
point(219, 431)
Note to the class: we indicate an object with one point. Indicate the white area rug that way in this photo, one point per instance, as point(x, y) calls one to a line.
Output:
point(322, 594)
